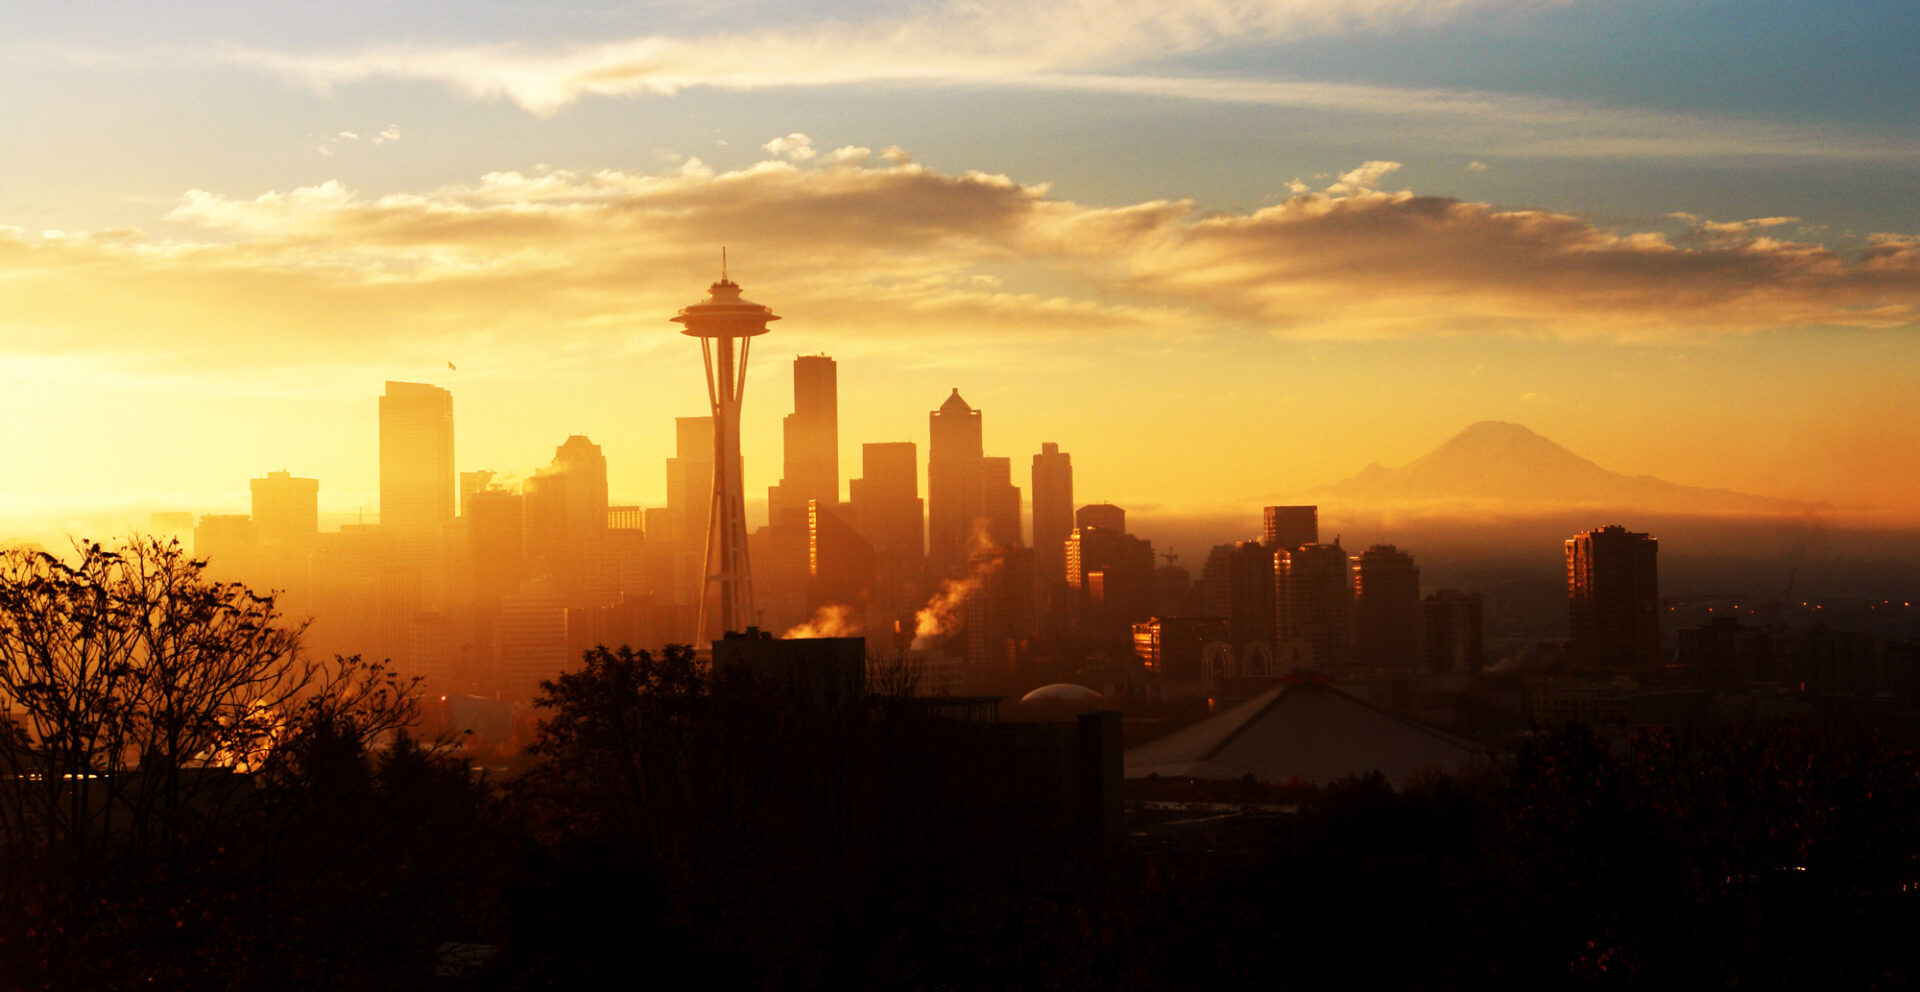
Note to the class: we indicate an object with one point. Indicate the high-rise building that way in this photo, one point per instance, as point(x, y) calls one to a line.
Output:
point(530, 640)
point(286, 525)
point(1237, 585)
point(998, 615)
point(585, 468)
point(812, 440)
point(416, 461)
point(225, 540)
point(1052, 511)
point(478, 480)
point(1109, 580)
point(1102, 515)
point(886, 509)
point(286, 513)
point(1289, 527)
point(1313, 602)
point(566, 522)
point(1171, 648)
point(689, 482)
point(1386, 608)
point(972, 504)
point(496, 543)
point(676, 555)
point(953, 484)
point(1613, 600)
point(999, 503)
point(1451, 633)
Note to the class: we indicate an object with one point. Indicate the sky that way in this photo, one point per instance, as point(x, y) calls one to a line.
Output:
point(1221, 251)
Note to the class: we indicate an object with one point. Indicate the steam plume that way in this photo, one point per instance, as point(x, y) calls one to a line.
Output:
point(941, 615)
point(832, 620)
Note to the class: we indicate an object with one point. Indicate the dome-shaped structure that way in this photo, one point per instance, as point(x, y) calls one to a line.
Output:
point(1062, 694)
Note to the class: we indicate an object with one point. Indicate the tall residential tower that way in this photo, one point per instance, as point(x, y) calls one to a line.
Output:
point(1613, 600)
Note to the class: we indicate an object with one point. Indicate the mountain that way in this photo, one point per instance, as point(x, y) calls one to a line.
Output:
point(1494, 461)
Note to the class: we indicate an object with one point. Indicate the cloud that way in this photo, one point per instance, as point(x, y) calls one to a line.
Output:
point(977, 40)
point(331, 143)
point(795, 147)
point(886, 251)
point(1364, 178)
point(1510, 124)
point(1110, 47)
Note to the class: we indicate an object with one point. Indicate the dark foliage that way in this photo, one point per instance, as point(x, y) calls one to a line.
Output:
point(188, 803)
point(738, 839)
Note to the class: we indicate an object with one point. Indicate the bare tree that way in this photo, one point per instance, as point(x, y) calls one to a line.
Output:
point(135, 689)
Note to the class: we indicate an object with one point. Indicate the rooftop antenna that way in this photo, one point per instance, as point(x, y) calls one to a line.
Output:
point(723, 263)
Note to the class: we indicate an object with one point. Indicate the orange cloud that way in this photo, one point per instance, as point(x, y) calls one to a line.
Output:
point(887, 248)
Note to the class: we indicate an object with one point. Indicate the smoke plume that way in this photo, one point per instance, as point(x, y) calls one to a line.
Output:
point(941, 615)
point(832, 620)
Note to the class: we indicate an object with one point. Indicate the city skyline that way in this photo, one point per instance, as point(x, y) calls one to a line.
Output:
point(1359, 497)
point(1232, 480)
point(1373, 222)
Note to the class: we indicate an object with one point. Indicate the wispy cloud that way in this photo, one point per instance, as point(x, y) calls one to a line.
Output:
point(882, 247)
point(1513, 124)
point(959, 40)
point(331, 143)
point(1062, 57)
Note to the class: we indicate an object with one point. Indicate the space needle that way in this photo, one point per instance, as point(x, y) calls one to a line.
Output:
point(718, 321)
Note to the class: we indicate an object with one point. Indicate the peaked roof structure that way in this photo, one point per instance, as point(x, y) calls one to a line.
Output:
point(1307, 731)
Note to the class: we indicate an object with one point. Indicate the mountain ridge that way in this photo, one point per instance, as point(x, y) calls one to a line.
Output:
point(1505, 462)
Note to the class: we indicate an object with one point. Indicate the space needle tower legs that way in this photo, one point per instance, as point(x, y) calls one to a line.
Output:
point(719, 321)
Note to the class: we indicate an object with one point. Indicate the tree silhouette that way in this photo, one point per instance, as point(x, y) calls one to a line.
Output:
point(163, 736)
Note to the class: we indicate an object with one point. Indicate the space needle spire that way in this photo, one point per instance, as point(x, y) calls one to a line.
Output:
point(719, 321)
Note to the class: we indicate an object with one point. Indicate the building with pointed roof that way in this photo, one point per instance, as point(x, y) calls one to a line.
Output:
point(1305, 731)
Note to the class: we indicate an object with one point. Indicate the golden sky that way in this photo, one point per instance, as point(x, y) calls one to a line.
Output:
point(1177, 239)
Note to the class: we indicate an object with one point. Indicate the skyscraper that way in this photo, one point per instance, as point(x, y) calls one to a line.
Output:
point(416, 461)
point(689, 482)
point(286, 525)
point(1288, 527)
point(1613, 600)
point(999, 503)
point(1386, 608)
point(1237, 586)
point(286, 513)
point(812, 440)
point(953, 484)
point(972, 504)
point(1052, 511)
point(887, 510)
point(1103, 515)
point(225, 540)
point(1109, 578)
point(566, 522)
point(677, 545)
point(1313, 602)
point(1451, 631)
